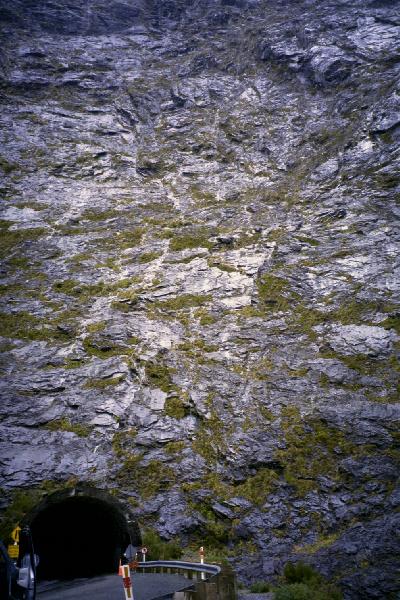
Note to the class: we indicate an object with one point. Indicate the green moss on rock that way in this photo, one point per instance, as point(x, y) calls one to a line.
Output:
point(190, 240)
point(101, 384)
point(11, 240)
point(313, 449)
point(147, 479)
point(22, 325)
point(176, 407)
point(185, 301)
point(159, 376)
point(102, 348)
point(64, 424)
point(273, 292)
point(123, 441)
point(257, 487)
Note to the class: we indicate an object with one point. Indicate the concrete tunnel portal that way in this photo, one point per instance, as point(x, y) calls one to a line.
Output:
point(80, 532)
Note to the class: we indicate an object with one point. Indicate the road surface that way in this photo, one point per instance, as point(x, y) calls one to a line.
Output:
point(109, 587)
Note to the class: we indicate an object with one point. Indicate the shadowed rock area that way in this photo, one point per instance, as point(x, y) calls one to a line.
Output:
point(199, 289)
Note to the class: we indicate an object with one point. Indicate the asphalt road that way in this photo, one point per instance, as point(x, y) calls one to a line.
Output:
point(109, 587)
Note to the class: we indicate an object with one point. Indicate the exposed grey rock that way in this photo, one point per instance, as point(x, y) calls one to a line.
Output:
point(352, 339)
point(200, 271)
point(328, 65)
point(387, 114)
point(375, 38)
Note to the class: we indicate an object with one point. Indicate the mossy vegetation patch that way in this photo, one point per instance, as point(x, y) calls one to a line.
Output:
point(159, 375)
point(85, 292)
point(308, 240)
point(7, 166)
point(323, 541)
point(211, 439)
point(123, 442)
point(73, 363)
point(101, 215)
point(121, 240)
point(274, 293)
point(195, 239)
point(197, 347)
point(105, 382)
point(174, 448)
point(256, 488)
point(64, 424)
point(392, 322)
point(25, 326)
point(183, 302)
point(357, 311)
point(205, 317)
point(148, 257)
point(219, 264)
point(147, 479)
point(103, 348)
point(303, 319)
point(313, 449)
point(12, 240)
point(176, 407)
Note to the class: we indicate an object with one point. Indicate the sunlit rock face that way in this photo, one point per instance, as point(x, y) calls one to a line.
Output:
point(199, 271)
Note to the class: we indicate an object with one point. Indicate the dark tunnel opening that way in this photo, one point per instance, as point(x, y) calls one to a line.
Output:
point(79, 536)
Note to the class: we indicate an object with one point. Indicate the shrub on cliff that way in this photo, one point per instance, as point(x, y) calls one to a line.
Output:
point(302, 582)
point(158, 549)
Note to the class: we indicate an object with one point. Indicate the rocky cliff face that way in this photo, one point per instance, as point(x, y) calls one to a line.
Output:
point(198, 281)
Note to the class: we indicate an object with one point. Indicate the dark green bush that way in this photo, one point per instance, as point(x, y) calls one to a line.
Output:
point(297, 591)
point(302, 582)
point(260, 587)
point(158, 549)
point(302, 591)
point(300, 573)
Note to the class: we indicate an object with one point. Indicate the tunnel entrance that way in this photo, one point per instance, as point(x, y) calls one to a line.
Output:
point(80, 534)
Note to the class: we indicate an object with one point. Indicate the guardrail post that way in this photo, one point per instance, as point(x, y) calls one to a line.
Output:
point(206, 590)
point(226, 581)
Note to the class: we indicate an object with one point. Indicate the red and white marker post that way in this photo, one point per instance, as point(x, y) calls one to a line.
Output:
point(144, 552)
point(126, 580)
point(201, 552)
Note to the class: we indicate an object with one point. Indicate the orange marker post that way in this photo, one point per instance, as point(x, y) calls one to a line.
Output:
point(120, 568)
point(126, 580)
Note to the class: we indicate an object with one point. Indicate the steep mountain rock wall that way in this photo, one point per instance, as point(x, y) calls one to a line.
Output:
point(200, 303)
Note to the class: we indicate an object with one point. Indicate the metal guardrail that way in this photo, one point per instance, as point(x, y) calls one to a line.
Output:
point(205, 581)
point(181, 565)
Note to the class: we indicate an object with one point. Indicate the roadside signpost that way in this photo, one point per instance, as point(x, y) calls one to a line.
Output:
point(144, 552)
point(15, 534)
point(127, 581)
point(13, 549)
point(131, 555)
point(130, 552)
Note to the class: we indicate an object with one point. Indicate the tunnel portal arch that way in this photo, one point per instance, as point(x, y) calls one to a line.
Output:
point(80, 532)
